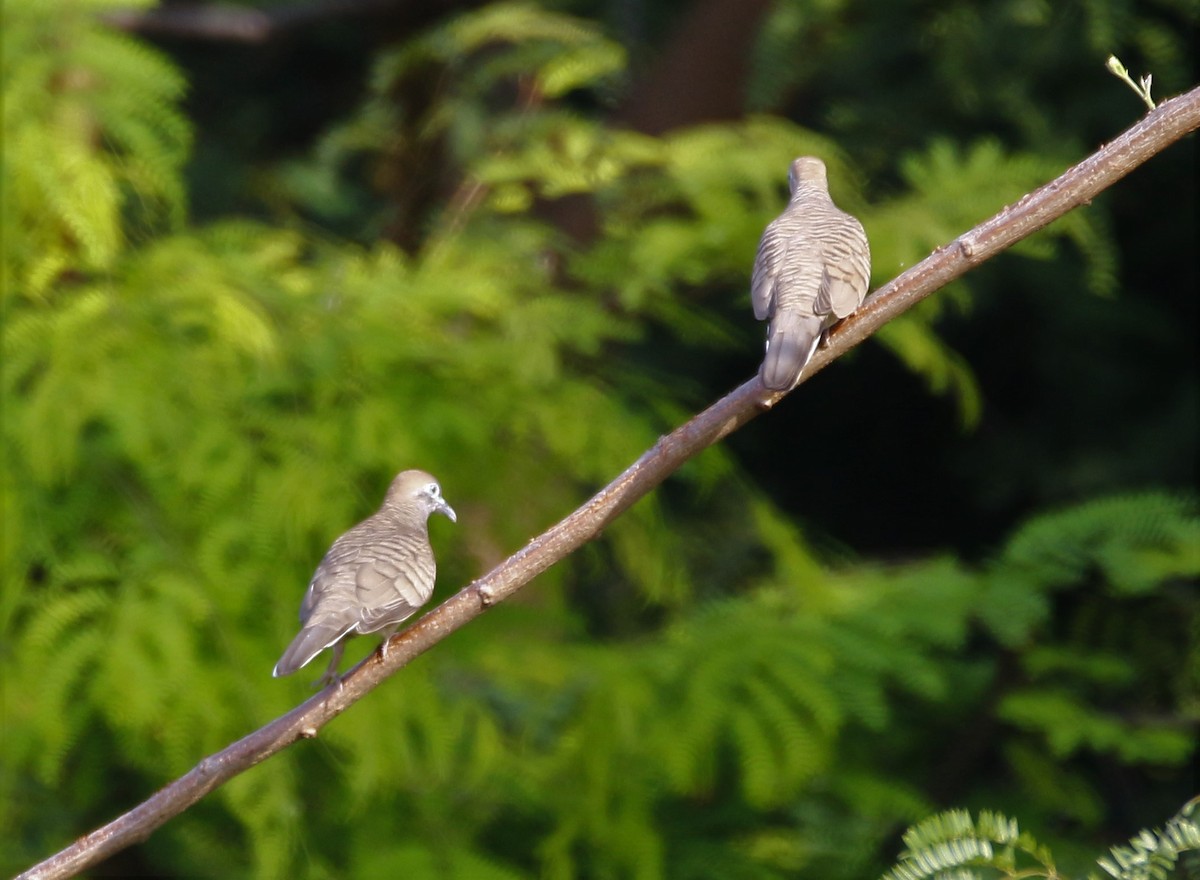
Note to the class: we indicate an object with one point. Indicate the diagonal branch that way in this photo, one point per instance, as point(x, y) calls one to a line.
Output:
point(1077, 186)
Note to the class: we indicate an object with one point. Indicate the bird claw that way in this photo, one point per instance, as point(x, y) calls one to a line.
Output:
point(330, 677)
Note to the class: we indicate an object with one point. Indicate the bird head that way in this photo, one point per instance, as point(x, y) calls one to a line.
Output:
point(807, 169)
point(419, 489)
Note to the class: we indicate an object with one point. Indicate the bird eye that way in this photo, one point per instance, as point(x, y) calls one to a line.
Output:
point(433, 490)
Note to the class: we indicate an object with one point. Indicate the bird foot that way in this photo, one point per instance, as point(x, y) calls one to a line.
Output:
point(387, 637)
point(331, 671)
point(330, 677)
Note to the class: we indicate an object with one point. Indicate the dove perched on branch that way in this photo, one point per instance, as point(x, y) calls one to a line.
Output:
point(811, 270)
point(373, 578)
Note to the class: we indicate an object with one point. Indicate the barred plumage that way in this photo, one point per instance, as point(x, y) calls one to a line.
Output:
point(373, 578)
point(812, 269)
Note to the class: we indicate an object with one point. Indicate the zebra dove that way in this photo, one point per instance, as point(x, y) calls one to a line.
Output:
point(811, 270)
point(373, 577)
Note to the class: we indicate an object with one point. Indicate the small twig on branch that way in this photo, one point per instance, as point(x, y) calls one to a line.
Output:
point(1077, 186)
point(1141, 88)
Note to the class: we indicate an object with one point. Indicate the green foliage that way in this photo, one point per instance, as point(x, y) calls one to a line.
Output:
point(1133, 543)
point(1131, 546)
point(950, 844)
point(1154, 855)
point(191, 414)
point(560, 52)
point(945, 845)
point(984, 67)
point(950, 192)
point(76, 205)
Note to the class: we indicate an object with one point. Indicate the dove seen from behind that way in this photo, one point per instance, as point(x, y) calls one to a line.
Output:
point(373, 578)
point(812, 269)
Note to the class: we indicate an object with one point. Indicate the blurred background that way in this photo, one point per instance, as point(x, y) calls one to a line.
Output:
point(260, 257)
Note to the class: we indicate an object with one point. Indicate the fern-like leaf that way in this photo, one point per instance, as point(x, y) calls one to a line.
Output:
point(1154, 854)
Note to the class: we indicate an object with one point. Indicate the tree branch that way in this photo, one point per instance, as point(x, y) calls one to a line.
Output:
point(700, 76)
point(1077, 186)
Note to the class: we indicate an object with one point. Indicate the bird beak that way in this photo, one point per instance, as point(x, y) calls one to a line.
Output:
point(445, 508)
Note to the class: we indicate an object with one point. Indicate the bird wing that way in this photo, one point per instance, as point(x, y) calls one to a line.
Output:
point(341, 556)
point(847, 274)
point(393, 581)
point(768, 263)
point(309, 604)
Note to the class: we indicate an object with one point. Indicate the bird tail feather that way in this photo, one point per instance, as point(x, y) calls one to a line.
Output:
point(309, 642)
point(791, 341)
